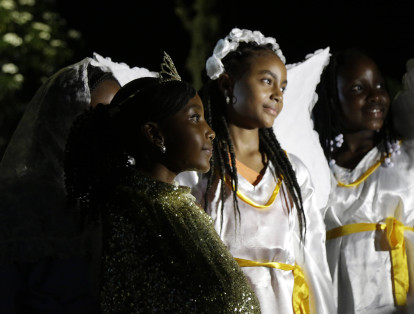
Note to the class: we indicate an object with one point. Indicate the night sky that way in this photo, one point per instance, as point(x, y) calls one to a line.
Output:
point(136, 32)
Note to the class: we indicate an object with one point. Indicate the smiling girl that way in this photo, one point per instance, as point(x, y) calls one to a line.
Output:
point(370, 213)
point(260, 197)
point(160, 250)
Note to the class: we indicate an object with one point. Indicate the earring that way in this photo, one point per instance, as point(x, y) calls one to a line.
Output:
point(226, 95)
point(163, 149)
point(130, 161)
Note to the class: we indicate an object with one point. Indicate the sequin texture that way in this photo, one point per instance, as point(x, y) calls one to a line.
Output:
point(161, 254)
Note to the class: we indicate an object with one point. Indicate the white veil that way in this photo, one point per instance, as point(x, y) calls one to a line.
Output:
point(34, 220)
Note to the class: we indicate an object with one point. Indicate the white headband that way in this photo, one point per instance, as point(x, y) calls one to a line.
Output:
point(215, 67)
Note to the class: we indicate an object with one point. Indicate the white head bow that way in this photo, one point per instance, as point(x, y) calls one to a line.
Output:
point(231, 42)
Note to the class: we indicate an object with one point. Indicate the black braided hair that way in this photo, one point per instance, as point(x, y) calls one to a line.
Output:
point(106, 142)
point(97, 75)
point(221, 164)
point(326, 109)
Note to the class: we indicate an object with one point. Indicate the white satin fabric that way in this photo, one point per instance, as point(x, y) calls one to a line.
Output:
point(299, 99)
point(272, 235)
point(360, 263)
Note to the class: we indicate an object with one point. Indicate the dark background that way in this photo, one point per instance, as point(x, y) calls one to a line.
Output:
point(136, 32)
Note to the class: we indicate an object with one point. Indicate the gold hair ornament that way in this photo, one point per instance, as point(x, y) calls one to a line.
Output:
point(168, 71)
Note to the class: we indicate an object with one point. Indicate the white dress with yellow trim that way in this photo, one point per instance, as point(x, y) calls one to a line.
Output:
point(266, 241)
point(370, 238)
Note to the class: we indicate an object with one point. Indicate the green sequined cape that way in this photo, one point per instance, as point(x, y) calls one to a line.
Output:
point(161, 254)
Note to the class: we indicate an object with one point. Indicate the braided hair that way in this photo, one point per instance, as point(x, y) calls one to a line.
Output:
point(97, 76)
point(327, 107)
point(224, 158)
point(106, 142)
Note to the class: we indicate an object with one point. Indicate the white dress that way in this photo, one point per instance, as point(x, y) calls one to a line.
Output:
point(360, 263)
point(272, 235)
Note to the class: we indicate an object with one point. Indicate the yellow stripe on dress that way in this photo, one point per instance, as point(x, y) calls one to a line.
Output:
point(367, 173)
point(300, 296)
point(247, 200)
point(395, 235)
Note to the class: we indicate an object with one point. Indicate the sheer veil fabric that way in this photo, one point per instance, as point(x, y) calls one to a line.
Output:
point(34, 220)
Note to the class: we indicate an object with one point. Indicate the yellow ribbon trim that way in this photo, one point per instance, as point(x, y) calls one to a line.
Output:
point(300, 296)
point(395, 235)
point(247, 200)
point(366, 174)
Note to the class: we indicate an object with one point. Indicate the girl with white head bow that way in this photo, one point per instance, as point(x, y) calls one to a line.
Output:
point(260, 197)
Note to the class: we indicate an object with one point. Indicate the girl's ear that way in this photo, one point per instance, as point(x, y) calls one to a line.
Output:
point(153, 134)
point(225, 83)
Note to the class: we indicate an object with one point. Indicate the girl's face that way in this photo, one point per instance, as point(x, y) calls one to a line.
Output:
point(258, 93)
point(188, 138)
point(363, 99)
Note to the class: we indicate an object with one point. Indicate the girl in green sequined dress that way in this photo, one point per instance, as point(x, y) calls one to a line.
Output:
point(160, 252)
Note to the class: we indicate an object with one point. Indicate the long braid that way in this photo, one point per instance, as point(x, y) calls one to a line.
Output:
point(231, 165)
point(223, 148)
point(208, 117)
point(284, 169)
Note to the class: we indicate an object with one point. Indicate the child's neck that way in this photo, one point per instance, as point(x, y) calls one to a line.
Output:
point(159, 172)
point(246, 147)
point(356, 146)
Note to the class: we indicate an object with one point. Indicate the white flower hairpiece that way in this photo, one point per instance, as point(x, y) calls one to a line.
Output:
point(215, 67)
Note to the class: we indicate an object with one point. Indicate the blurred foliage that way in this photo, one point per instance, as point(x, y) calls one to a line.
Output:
point(34, 43)
point(201, 19)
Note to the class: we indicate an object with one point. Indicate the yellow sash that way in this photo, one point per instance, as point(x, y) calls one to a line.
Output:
point(395, 235)
point(300, 297)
